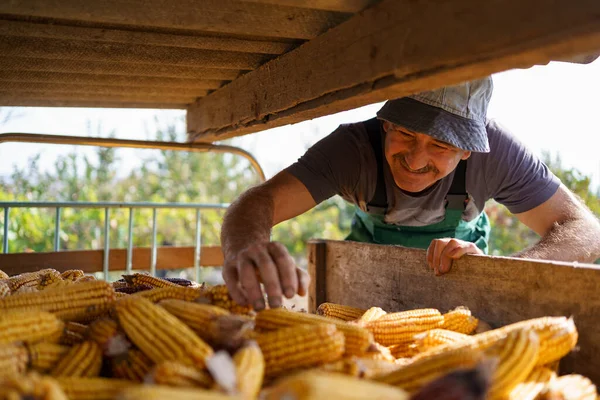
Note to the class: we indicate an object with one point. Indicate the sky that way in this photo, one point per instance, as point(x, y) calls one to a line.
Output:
point(549, 108)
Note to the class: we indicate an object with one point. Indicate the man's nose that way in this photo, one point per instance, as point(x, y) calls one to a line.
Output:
point(417, 158)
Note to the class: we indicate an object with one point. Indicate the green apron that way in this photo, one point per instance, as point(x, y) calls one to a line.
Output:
point(371, 228)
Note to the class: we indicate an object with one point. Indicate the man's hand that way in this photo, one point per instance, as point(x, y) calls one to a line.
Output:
point(442, 252)
point(269, 263)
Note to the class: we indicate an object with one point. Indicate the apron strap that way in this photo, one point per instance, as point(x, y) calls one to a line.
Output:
point(457, 196)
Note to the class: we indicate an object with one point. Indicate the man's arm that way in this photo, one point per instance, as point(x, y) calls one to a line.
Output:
point(250, 257)
point(568, 230)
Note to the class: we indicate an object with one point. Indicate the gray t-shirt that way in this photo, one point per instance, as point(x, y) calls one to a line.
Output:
point(344, 163)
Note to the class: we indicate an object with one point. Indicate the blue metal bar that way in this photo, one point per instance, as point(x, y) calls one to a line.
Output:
point(153, 251)
point(106, 242)
point(105, 204)
point(57, 230)
point(5, 237)
point(128, 267)
point(198, 246)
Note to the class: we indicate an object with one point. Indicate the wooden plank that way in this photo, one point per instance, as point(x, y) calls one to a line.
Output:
point(218, 16)
point(98, 67)
point(13, 98)
point(53, 31)
point(496, 289)
point(317, 268)
point(52, 88)
point(348, 6)
point(92, 260)
point(12, 46)
point(393, 49)
point(22, 102)
point(108, 80)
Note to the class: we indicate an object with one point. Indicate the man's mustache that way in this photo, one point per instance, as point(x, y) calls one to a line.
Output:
point(429, 168)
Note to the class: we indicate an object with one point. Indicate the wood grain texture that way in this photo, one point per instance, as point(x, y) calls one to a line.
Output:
point(349, 6)
point(216, 16)
point(497, 290)
point(92, 260)
point(12, 101)
point(393, 49)
point(53, 31)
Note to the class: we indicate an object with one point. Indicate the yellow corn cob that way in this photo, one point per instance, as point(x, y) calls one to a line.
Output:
point(309, 385)
point(73, 333)
point(85, 278)
point(3, 275)
point(102, 331)
point(413, 376)
point(517, 355)
point(250, 368)
point(533, 385)
point(361, 367)
point(119, 284)
point(13, 359)
point(29, 279)
point(196, 316)
point(404, 350)
point(173, 373)
point(28, 326)
point(31, 386)
point(460, 320)
point(400, 327)
point(144, 279)
point(370, 315)
point(83, 360)
point(358, 339)
point(159, 334)
point(340, 311)
point(379, 352)
point(144, 392)
point(571, 387)
point(4, 289)
point(219, 296)
point(436, 337)
point(175, 292)
point(72, 303)
point(48, 279)
point(44, 356)
point(72, 274)
point(119, 295)
point(300, 346)
point(78, 388)
point(133, 365)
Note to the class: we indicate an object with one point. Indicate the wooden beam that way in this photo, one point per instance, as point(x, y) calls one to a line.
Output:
point(107, 67)
point(53, 31)
point(13, 98)
point(348, 6)
point(393, 49)
point(217, 16)
point(92, 260)
point(497, 290)
point(12, 46)
point(27, 102)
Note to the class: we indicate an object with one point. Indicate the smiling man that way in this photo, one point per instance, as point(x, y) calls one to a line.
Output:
point(419, 174)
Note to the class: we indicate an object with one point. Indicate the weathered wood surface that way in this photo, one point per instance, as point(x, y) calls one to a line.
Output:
point(351, 6)
point(497, 290)
point(92, 260)
point(393, 49)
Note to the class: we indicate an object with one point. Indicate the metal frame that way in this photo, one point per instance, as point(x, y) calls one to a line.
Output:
point(121, 143)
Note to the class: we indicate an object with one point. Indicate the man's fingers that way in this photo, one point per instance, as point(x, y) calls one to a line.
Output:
point(268, 274)
point(437, 252)
point(286, 268)
point(230, 276)
point(445, 259)
point(303, 281)
point(249, 282)
point(430, 251)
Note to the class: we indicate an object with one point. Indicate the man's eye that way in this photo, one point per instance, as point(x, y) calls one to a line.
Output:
point(441, 146)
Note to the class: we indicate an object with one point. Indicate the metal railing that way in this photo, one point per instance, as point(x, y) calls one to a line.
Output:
point(107, 206)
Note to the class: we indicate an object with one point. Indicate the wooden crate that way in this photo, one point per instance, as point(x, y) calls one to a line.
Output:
point(498, 290)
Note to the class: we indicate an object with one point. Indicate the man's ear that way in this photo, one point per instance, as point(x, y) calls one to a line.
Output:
point(387, 125)
point(466, 155)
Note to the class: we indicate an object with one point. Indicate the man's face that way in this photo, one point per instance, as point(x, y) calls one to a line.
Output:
point(417, 160)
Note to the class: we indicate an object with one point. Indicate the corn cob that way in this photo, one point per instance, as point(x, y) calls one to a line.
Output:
point(82, 360)
point(413, 376)
point(28, 326)
point(49, 279)
point(4, 289)
point(73, 333)
point(44, 356)
point(404, 350)
point(13, 359)
point(370, 315)
point(399, 327)
point(119, 295)
point(120, 284)
point(196, 316)
point(535, 383)
point(570, 387)
point(79, 302)
point(144, 392)
point(30, 386)
point(3, 275)
point(176, 292)
point(460, 320)
point(133, 365)
point(249, 369)
point(379, 352)
point(159, 334)
point(102, 331)
point(340, 311)
point(144, 279)
point(517, 355)
point(72, 274)
point(133, 289)
point(172, 373)
point(29, 279)
point(311, 385)
point(436, 337)
point(358, 339)
point(219, 296)
point(78, 388)
point(361, 367)
point(86, 278)
point(300, 346)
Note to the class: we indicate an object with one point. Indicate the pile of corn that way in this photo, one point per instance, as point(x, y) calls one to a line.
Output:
point(69, 336)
